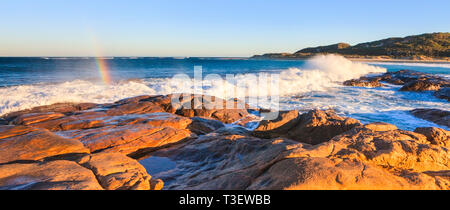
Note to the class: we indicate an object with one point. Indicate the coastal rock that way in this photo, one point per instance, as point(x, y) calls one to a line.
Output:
point(144, 104)
point(421, 85)
point(327, 174)
point(318, 126)
point(93, 149)
point(82, 124)
point(35, 158)
point(363, 158)
point(156, 184)
point(274, 128)
point(53, 124)
point(391, 80)
point(219, 161)
point(53, 175)
point(391, 148)
point(7, 131)
point(128, 139)
point(60, 117)
point(134, 106)
point(58, 121)
point(411, 81)
point(163, 120)
point(374, 156)
point(110, 171)
point(203, 126)
point(64, 108)
point(406, 76)
point(188, 105)
point(70, 122)
point(443, 93)
point(380, 126)
point(32, 118)
point(101, 132)
point(226, 111)
point(436, 136)
point(437, 116)
point(249, 121)
point(97, 120)
point(116, 171)
point(313, 127)
point(363, 82)
point(20, 143)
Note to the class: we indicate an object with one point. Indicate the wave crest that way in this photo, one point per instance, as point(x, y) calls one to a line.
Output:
point(319, 73)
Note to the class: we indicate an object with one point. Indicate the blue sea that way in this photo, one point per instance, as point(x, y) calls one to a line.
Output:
point(303, 84)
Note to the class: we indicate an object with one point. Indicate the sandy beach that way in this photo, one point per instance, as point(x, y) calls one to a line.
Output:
point(440, 61)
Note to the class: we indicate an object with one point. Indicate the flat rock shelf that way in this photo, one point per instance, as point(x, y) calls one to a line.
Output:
point(145, 143)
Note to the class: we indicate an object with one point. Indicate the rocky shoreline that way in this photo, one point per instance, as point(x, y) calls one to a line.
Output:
point(410, 81)
point(113, 147)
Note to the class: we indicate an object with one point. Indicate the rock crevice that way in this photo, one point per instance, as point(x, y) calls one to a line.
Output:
point(76, 147)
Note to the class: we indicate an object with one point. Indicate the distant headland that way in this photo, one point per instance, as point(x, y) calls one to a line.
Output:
point(424, 47)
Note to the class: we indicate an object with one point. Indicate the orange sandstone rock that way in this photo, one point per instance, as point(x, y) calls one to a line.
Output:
point(313, 127)
point(116, 171)
point(54, 175)
point(34, 145)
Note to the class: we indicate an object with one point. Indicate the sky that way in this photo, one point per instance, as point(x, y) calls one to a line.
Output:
point(206, 27)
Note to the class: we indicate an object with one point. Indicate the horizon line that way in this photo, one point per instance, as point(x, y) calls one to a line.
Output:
point(124, 56)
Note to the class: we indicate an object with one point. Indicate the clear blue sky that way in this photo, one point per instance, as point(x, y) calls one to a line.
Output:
point(206, 27)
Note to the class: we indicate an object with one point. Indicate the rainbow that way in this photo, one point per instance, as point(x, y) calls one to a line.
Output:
point(102, 66)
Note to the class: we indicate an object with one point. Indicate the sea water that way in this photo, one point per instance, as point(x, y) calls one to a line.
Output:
point(303, 84)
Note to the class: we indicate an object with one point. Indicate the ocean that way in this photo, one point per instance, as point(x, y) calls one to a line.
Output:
point(303, 84)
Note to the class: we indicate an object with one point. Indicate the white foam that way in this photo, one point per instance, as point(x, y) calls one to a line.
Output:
point(383, 104)
point(319, 74)
point(322, 72)
point(318, 82)
point(28, 96)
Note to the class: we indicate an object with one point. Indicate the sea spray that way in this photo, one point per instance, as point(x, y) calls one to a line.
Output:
point(28, 96)
point(338, 68)
point(319, 74)
point(322, 72)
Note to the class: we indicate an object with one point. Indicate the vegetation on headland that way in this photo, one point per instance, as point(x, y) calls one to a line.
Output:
point(419, 47)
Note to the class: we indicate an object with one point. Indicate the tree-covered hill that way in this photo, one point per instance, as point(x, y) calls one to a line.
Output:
point(434, 45)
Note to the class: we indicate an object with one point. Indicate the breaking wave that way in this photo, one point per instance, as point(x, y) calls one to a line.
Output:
point(318, 74)
point(28, 96)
